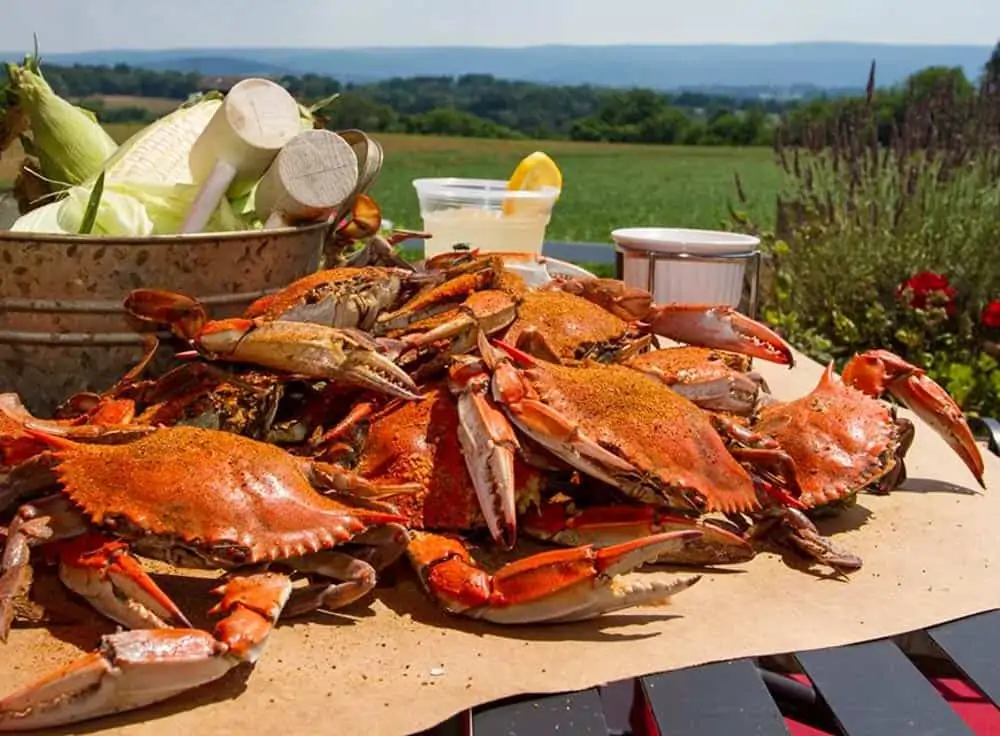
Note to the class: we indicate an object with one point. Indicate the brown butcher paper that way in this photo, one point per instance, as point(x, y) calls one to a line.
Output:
point(395, 664)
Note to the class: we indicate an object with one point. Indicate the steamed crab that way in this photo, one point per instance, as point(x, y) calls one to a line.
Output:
point(321, 326)
point(456, 451)
point(840, 439)
point(307, 349)
point(201, 499)
point(618, 426)
point(632, 432)
point(572, 319)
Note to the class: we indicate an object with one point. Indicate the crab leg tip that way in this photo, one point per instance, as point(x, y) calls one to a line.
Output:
point(627, 556)
point(722, 328)
point(509, 535)
point(128, 671)
point(115, 583)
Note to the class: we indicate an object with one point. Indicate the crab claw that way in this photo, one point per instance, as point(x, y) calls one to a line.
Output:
point(713, 379)
point(488, 445)
point(128, 671)
point(137, 668)
point(877, 372)
point(549, 587)
point(478, 275)
point(602, 526)
point(366, 219)
point(114, 583)
point(307, 349)
point(721, 327)
point(184, 315)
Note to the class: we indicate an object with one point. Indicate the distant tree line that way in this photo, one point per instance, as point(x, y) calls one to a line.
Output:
point(482, 106)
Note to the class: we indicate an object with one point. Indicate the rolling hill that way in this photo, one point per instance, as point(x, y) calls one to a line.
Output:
point(779, 66)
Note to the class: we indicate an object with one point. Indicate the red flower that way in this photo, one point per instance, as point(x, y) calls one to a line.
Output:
point(927, 284)
point(991, 314)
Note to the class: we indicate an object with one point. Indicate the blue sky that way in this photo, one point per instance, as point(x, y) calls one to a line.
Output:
point(76, 25)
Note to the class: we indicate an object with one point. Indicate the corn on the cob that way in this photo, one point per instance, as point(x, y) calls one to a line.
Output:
point(160, 152)
point(149, 185)
point(69, 142)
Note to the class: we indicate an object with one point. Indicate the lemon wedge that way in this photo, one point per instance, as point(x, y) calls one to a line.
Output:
point(535, 172)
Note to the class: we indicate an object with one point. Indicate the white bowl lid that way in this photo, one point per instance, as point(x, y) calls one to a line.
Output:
point(684, 240)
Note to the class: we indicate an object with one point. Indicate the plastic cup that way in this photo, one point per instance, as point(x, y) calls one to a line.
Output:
point(715, 281)
point(483, 214)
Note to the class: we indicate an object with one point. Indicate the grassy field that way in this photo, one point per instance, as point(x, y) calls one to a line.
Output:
point(159, 105)
point(605, 185)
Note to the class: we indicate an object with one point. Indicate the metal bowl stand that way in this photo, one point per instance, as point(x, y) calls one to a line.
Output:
point(654, 258)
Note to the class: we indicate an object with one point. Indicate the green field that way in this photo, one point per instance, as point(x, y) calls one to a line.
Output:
point(604, 185)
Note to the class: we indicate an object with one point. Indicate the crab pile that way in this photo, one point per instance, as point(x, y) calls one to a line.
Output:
point(374, 413)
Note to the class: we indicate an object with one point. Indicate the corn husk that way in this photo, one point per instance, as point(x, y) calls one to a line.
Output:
point(125, 210)
point(67, 140)
point(148, 183)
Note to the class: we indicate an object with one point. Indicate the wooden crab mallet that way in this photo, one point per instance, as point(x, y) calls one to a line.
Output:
point(308, 180)
point(255, 121)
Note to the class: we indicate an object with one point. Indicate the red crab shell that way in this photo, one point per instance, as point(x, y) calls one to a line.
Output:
point(562, 326)
point(418, 442)
point(666, 438)
point(840, 439)
point(243, 500)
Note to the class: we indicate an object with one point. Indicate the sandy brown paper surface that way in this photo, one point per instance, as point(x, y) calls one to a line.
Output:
point(932, 546)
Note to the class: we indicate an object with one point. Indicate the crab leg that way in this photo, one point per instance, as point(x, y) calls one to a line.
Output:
point(307, 349)
point(92, 566)
point(708, 325)
point(791, 526)
point(602, 526)
point(720, 327)
point(340, 481)
point(354, 574)
point(877, 372)
point(104, 573)
point(137, 668)
point(47, 520)
point(17, 445)
point(550, 587)
point(26, 479)
point(488, 445)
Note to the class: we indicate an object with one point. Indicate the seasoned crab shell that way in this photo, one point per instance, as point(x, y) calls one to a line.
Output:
point(671, 451)
point(841, 440)
point(560, 326)
point(217, 495)
point(340, 297)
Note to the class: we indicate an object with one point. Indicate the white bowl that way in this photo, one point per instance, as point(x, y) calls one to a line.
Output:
point(692, 282)
point(684, 240)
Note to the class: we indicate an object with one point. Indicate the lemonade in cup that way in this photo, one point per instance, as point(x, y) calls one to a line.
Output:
point(491, 214)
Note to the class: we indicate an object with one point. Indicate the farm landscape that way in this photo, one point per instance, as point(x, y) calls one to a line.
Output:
point(606, 183)
point(877, 211)
point(876, 207)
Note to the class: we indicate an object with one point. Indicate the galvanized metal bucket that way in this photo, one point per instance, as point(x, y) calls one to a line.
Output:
point(62, 326)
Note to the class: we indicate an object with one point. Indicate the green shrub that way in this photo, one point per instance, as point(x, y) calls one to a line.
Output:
point(894, 246)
